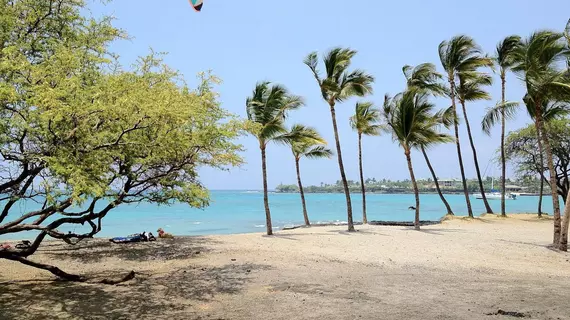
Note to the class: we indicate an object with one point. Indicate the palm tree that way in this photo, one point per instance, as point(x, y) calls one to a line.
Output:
point(338, 85)
point(537, 62)
point(266, 110)
point(456, 57)
point(504, 60)
point(470, 89)
point(410, 120)
point(424, 77)
point(566, 223)
point(305, 142)
point(365, 121)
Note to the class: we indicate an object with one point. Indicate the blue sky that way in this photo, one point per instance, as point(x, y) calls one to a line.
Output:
point(247, 41)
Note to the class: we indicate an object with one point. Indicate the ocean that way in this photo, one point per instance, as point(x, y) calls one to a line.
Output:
point(233, 212)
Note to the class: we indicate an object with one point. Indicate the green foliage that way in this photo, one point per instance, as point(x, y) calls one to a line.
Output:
point(425, 77)
point(504, 56)
point(366, 119)
point(410, 119)
point(267, 110)
point(79, 131)
point(537, 62)
point(306, 142)
point(339, 84)
point(521, 150)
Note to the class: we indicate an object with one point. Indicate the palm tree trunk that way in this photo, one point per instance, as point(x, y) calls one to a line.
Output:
point(540, 171)
point(503, 158)
point(415, 185)
point(265, 197)
point(476, 162)
point(447, 206)
point(341, 168)
point(457, 144)
point(364, 218)
point(305, 215)
point(552, 172)
point(565, 224)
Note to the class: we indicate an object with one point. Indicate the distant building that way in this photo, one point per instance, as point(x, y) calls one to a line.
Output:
point(449, 183)
point(513, 188)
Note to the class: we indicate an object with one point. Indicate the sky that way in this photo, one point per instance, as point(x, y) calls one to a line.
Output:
point(244, 42)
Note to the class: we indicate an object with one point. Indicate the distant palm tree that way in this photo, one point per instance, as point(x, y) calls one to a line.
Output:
point(471, 89)
point(305, 142)
point(504, 58)
point(456, 55)
point(366, 121)
point(410, 120)
point(424, 77)
point(338, 85)
point(266, 110)
point(537, 62)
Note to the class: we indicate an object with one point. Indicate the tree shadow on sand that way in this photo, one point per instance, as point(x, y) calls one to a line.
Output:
point(160, 296)
point(95, 250)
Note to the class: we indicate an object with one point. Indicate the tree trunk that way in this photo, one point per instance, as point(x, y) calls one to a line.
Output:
point(540, 169)
point(503, 157)
point(265, 196)
point(541, 193)
point(552, 172)
point(415, 185)
point(341, 168)
point(305, 215)
point(457, 144)
point(475, 161)
point(565, 224)
point(364, 218)
point(53, 269)
point(64, 275)
point(447, 206)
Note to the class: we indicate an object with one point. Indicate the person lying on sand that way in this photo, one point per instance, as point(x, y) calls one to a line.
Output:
point(164, 235)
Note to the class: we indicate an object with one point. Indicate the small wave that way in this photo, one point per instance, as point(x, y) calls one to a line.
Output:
point(259, 226)
point(251, 191)
point(196, 222)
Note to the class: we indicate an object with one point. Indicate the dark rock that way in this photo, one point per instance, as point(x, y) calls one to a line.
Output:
point(514, 314)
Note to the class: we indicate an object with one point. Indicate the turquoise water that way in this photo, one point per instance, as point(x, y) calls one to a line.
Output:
point(242, 212)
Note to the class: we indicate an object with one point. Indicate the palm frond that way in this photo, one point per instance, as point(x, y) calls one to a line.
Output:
point(312, 62)
point(493, 115)
point(505, 51)
point(268, 107)
point(339, 84)
point(366, 119)
point(318, 152)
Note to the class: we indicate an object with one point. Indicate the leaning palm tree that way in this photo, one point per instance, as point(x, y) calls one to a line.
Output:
point(425, 78)
point(537, 62)
point(305, 142)
point(470, 88)
point(337, 85)
point(504, 58)
point(410, 120)
point(266, 110)
point(457, 56)
point(366, 121)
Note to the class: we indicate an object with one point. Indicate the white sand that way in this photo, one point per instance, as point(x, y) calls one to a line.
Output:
point(461, 269)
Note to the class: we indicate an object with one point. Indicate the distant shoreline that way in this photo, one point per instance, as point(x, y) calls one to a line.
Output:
point(398, 192)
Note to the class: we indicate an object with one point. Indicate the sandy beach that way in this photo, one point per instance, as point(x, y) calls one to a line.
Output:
point(460, 269)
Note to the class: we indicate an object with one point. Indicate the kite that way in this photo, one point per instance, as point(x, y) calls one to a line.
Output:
point(197, 4)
